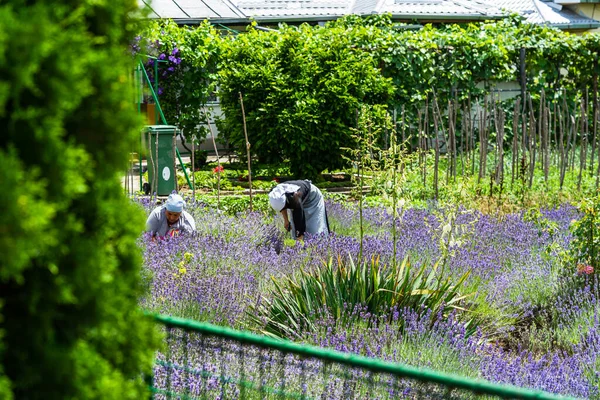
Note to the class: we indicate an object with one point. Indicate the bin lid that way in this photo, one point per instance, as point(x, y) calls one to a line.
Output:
point(161, 129)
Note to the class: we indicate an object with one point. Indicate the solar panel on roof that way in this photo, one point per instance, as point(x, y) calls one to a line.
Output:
point(418, 1)
point(167, 9)
point(224, 10)
point(201, 12)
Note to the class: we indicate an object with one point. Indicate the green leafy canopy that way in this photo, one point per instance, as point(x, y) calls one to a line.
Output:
point(70, 327)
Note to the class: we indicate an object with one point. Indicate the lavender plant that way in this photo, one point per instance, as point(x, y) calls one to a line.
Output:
point(235, 261)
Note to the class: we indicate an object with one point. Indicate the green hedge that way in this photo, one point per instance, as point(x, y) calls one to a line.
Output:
point(69, 276)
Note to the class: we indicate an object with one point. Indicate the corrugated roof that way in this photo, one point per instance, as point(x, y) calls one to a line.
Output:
point(540, 12)
point(535, 11)
point(166, 9)
point(448, 8)
point(294, 8)
point(364, 6)
point(398, 8)
point(143, 4)
point(194, 9)
point(289, 10)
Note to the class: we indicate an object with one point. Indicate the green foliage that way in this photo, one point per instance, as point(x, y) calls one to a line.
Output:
point(467, 191)
point(329, 184)
point(266, 170)
point(365, 155)
point(257, 184)
point(70, 271)
point(390, 181)
point(338, 288)
point(210, 180)
point(200, 157)
point(233, 205)
point(585, 246)
point(187, 88)
point(302, 87)
point(450, 235)
point(544, 225)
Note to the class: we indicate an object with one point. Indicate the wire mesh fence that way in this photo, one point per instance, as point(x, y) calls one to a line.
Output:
point(203, 361)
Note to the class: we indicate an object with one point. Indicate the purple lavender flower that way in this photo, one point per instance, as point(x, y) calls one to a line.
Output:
point(215, 275)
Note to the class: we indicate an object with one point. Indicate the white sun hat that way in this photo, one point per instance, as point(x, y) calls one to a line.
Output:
point(277, 195)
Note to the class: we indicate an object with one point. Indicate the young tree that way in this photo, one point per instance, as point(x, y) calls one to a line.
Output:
point(70, 327)
point(302, 87)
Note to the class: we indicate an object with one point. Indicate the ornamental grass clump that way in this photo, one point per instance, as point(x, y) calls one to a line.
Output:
point(337, 288)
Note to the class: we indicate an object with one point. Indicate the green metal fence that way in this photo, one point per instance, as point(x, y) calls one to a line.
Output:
point(204, 361)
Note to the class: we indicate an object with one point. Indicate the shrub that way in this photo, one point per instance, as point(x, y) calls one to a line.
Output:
point(338, 288)
point(301, 109)
point(210, 180)
point(70, 269)
point(233, 205)
point(200, 157)
point(585, 246)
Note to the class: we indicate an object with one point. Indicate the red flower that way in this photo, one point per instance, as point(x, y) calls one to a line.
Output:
point(583, 269)
point(218, 169)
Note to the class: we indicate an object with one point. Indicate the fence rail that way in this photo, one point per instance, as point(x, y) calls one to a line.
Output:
point(204, 361)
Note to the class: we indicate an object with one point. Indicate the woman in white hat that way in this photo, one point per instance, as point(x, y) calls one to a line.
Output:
point(302, 207)
point(170, 219)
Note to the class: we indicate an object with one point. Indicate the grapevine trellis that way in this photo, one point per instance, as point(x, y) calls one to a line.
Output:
point(506, 140)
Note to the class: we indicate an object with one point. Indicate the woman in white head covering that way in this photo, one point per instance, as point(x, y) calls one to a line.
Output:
point(302, 207)
point(170, 219)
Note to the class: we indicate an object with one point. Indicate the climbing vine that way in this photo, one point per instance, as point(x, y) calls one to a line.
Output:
point(187, 60)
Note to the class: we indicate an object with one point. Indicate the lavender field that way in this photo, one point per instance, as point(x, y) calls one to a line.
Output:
point(529, 318)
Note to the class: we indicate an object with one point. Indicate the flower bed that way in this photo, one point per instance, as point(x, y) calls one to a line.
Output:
point(532, 320)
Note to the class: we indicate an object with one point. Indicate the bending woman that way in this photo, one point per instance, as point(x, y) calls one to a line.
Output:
point(302, 207)
point(170, 219)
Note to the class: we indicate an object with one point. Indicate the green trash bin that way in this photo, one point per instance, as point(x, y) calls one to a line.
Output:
point(162, 175)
